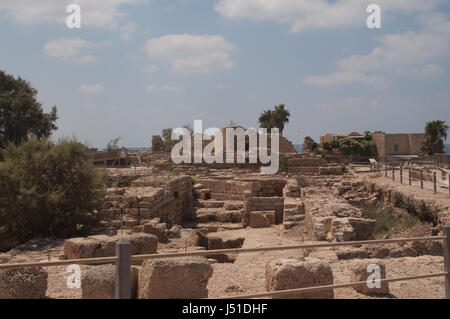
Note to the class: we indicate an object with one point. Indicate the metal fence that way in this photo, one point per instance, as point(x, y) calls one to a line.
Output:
point(421, 177)
point(124, 259)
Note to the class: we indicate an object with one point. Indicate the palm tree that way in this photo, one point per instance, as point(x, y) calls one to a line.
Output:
point(281, 117)
point(435, 134)
point(266, 119)
point(278, 117)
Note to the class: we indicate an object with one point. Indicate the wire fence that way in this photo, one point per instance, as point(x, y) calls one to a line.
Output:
point(124, 259)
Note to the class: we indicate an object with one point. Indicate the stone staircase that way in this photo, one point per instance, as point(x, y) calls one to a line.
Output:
point(208, 210)
point(294, 212)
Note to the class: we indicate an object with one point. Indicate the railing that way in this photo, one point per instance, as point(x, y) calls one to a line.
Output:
point(123, 261)
point(424, 178)
point(423, 175)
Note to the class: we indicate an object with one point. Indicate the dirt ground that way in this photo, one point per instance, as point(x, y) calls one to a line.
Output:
point(247, 274)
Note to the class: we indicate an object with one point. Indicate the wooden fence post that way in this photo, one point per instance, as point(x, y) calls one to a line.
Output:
point(123, 269)
point(393, 173)
point(401, 174)
point(434, 182)
point(385, 170)
point(446, 246)
point(409, 176)
point(421, 178)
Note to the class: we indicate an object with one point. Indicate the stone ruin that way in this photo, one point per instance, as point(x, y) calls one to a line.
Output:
point(162, 209)
point(333, 219)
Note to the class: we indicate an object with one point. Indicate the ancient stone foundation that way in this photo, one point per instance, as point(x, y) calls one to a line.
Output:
point(361, 272)
point(175, 278)
point(427, 209)
point(104, 246)
point(287, 274)
point(263, 204)
point(99, 282)
point(147, 198)
point(331, 218)
point(24, 283)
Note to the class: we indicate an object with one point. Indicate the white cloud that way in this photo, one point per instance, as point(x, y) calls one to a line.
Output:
point(64, 47)
point(127, 30)
point(345, 78)
point(102, 14)
point(187, 53)
point(87, 59)
point(306, 14)
point(69, 49)
point(398, 50)
point(91, 89)
point(407, 54)
point(165, 88)
point(151, 69)
point(151, 88)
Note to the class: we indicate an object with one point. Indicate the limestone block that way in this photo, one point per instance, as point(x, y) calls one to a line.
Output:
point(287, 274)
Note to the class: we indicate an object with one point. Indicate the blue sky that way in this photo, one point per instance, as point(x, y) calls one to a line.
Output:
point(136, 66)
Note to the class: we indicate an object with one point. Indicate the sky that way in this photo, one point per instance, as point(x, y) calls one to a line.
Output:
point(136, 67)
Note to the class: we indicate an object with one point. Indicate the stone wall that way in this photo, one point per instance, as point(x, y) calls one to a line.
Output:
point(252, 204)
point(166, 202)
point(426, 209)
point(235, 189)
point(331, 218)
point(407, 144)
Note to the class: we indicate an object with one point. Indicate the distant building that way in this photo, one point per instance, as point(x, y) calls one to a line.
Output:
point(398, 144)
point(329, 137)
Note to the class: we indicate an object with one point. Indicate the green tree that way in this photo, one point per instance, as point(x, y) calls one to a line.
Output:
point(113, 144)
point(21, 115)
point(168, 143)
point(435, 134)
point(266, 119)
point(281, 117)
point(278, 117)
point(367, 135)
point(48, 189)
point(334, 144)
point(349, 146)
point(157, 143)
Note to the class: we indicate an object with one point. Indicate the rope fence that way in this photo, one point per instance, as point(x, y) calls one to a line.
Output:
point(123, 261)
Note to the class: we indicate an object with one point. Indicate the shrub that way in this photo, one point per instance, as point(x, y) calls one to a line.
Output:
point(48, 189)
point(322, 153)
point(327, 146)
point(157, 143)
point(353, 147)
point(334, 144)
point(388, 219)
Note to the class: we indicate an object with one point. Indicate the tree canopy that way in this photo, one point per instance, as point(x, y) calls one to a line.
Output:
point(435, 134)
point(21, 115)
point(276, 118)
point(163, 142)
point(113, 144)
point(48, 189)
